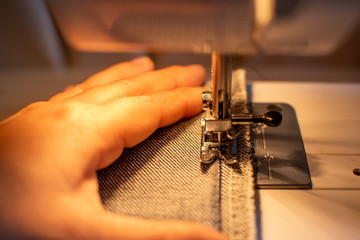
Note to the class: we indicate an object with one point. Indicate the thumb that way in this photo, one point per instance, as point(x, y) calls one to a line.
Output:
point(112, 226)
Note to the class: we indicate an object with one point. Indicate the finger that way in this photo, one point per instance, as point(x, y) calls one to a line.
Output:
point(143, 115)
point(147, 113)
point(115, 73)
point(120, 71)
point(111, 226)
point(98, 224)
point(156, 81)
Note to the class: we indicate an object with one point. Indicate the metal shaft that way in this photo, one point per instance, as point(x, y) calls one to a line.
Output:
point(221, 70)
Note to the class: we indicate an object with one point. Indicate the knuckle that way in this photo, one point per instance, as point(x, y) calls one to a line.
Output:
point(177, 68)
point(155, 99)
point(73, 111)
point(127, 84)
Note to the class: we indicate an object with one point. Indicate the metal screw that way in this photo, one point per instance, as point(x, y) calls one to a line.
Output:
point(206, 99)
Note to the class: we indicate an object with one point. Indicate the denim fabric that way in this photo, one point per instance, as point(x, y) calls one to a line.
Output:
point(162, 178)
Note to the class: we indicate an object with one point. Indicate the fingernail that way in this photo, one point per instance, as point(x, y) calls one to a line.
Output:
point(141, 60)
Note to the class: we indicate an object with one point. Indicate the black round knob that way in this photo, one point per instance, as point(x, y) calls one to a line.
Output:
point(272, 118)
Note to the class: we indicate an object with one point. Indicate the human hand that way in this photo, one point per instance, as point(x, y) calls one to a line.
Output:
point(50, 151)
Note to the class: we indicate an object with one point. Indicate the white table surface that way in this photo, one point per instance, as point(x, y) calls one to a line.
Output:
point(329, 119)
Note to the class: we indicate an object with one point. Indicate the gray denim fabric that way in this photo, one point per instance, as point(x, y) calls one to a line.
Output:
point(162, 178)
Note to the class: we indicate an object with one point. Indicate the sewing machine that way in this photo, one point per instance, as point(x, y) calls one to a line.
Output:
point(230, 31)
point(227, 30)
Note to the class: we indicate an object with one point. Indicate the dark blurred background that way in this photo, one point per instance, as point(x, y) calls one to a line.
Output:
point(36, 61)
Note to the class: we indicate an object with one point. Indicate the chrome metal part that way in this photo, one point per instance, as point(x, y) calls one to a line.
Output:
point(221, 82)
point(271, 119)
point(206, 100)
point(219, 124)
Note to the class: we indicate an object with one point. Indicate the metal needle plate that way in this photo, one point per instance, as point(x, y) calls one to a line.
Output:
point(279, 158)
